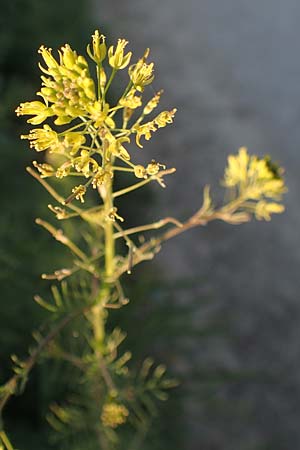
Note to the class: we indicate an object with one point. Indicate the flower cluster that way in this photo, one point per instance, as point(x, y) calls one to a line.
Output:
point(114, 414)
point(257, 181)
point(98, 130)
point(68, 87)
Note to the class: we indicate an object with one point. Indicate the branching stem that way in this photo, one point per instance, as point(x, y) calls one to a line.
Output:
point(12, 383)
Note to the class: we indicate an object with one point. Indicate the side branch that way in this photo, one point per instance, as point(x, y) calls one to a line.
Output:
point(60, 237)
point(52, 191)
point(12, 384)
point(151, 226)
point(150, 248)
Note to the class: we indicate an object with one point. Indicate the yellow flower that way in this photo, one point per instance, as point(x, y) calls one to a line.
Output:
point(144, 130)
point(154, 167)
point(99, 114)
point(131, 100)
point(257, 180)
point(164, 118)
point(37, 109)
point(73, 141)
point(48, 58)
point(68, 59)
point(101, 177)
point(42, 138)
point(237, 169)
point(116, 58)
point(85, 164)
point(116, 146)
point(99, 48)
point(253, 176)
point(141, 74)
point(273, 188)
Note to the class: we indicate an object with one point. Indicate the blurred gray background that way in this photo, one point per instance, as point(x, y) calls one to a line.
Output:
point(233, 71)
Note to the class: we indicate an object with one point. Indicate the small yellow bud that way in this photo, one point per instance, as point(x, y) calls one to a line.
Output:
point(62, 119)
point(69, 57)
point(102, 78)
point(263, 210)
point(140, 171)
point(152, 104)
point(88, 86)
point(114, 415)
point(127, 114)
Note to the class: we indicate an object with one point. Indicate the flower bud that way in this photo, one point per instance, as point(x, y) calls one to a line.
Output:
point(140, 171)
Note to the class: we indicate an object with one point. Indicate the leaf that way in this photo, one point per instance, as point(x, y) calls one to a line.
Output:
point(44, 304)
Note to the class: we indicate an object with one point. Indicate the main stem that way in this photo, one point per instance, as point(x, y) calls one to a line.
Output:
point(109, 234)
point(103, 293)
point(109, 247)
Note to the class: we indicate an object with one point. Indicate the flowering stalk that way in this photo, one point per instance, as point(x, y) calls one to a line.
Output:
point(87, 138)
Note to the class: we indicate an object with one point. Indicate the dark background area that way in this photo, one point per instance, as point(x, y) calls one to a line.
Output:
point(221, 304)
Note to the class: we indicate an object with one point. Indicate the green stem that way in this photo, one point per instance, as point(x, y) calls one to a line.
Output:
point(113, 73)
point(233, 205)
point(109, 253)
point(99, 80)
point(151, 226)
point(132, 188)
point(5, 440)
point(60, 237)
point(79, 125)
point(122, 169)
point(109, 238)
point(99, 312)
